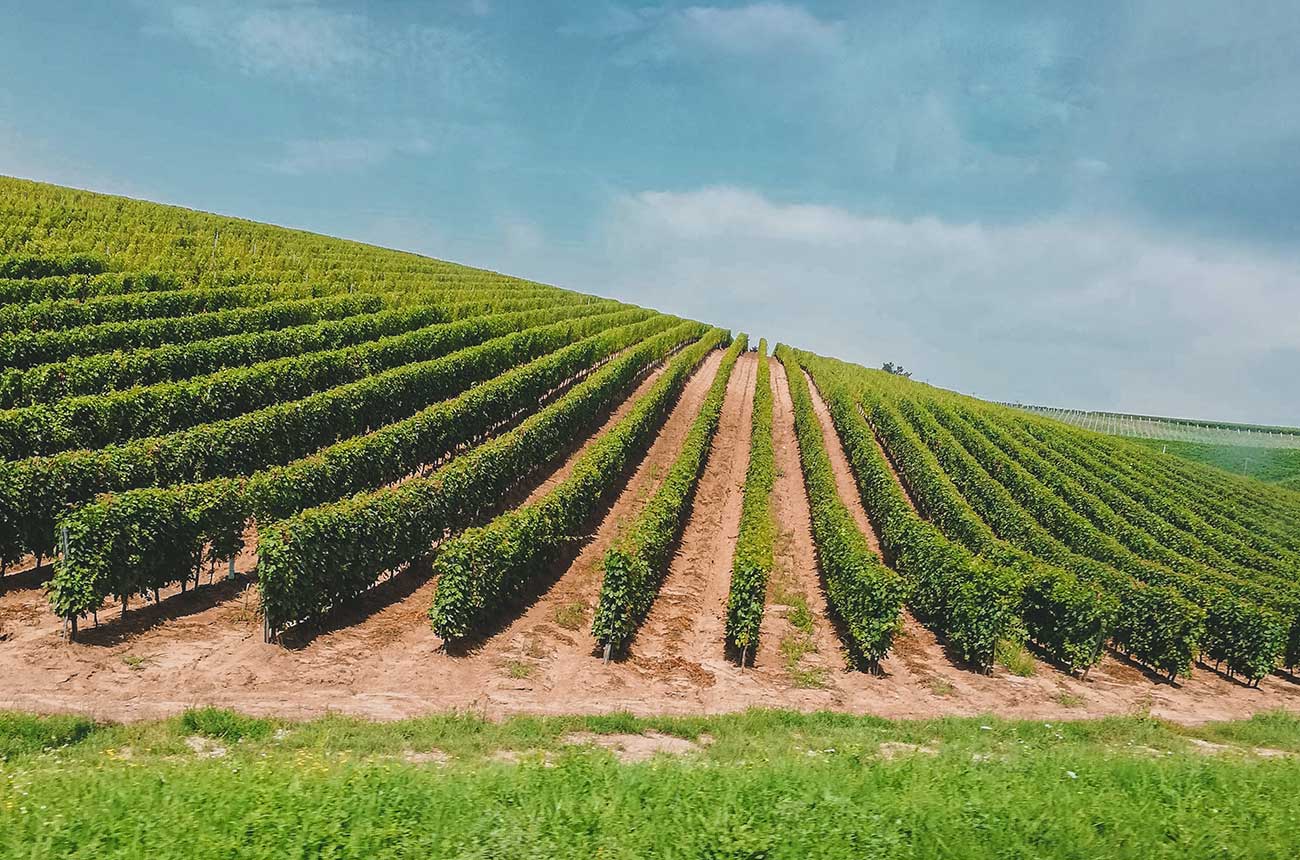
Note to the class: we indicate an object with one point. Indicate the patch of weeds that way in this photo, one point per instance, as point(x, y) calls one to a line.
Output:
point(571, 616)
point(1066, 699)
point(518, 669)
point(942, 687)
point(135, 661)
point(1015, 658)
point(800, 616)
point(811, 678)
point(793, 649)
point(220, 723)
point(28, 733)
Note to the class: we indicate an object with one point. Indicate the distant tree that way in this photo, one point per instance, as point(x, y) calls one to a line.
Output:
point(896, 369)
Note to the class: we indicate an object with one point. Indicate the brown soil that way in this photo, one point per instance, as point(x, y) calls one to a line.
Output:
point(381, 659)
point(682, 632)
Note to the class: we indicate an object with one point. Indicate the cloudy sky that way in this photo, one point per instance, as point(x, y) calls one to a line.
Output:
point(1094, 205)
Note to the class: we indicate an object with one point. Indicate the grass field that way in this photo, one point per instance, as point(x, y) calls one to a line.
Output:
point(763, 784)
point(1272, 465)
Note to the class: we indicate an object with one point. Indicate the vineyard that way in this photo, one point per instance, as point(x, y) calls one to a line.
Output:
point(294, 474)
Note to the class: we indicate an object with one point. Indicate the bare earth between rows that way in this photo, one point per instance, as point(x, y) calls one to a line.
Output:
point(382, 660)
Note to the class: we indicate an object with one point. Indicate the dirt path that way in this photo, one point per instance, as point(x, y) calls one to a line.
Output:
point(551, 642)
point(556, 477)
point(795, 582)
point(682, 639)
point(383, 661)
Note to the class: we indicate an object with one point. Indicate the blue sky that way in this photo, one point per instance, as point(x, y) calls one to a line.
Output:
point(1094, 205)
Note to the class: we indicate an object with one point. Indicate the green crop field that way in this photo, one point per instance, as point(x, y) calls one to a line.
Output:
point(220, 432)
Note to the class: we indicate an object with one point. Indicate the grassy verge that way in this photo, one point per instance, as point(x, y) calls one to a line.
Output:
point(760, 784)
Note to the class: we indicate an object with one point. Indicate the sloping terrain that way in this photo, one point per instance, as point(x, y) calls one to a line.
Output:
point(293, 474)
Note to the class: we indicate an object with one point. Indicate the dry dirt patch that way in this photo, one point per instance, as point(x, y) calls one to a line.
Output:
point(204, 748)
point(434, 757)
point(633, 748)
point(890, 750)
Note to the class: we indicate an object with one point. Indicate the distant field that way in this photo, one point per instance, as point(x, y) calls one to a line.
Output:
point(765, 784)
point(1172, 429)
point(1274, 465)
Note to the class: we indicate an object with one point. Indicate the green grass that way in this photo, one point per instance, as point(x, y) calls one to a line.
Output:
point(518, 669)
point(1275, 465)
point(1014, 657)
point(766, 784)
point(571, 616)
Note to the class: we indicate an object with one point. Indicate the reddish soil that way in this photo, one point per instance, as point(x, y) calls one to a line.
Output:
point(380, 659)
point(679, 638)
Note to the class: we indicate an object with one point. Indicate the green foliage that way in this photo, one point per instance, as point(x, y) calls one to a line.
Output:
point(484, 569)
point(101, 419)
point(223, 724)
point(32, 266)
point(753, 560)
point(771, 784)
point(325, 555)
point(100, 373)
point(972, 601)
point(19, 291)
point(1157, 626)
point(272, 435)
point(1248, 637)
point(146, 538)
point(1274, 465)
point(56, 314)
point(27, 734)
point(21, 349)
point(635, 566)
point(865, 595)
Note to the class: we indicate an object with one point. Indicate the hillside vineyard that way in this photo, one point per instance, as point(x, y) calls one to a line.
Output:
point(188, 399)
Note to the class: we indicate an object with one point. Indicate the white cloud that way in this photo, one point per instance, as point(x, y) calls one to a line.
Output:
point(1080, 312)
point(755, 30)
point(304, 41)
point(301, 40)
point(760, 28)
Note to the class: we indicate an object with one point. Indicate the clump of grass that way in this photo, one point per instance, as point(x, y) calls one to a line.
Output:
point(1066, 699)
point(942, 687)
point(28, 733)
point(800, 616)
point(808, 677)
point(571, 616)
point(1015, 658)
point(135, 661)
point(518, 669)
point(223, 724)
point(783, 590)
point(793, 649)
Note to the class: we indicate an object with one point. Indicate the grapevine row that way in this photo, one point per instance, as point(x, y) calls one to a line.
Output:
point(96, 420)
point(753, 560)
point(142, 539)
point(35, 491)
point(486, 568)
point(636, 564)
point(976, 594)
point(865, 595)
point(323, 556)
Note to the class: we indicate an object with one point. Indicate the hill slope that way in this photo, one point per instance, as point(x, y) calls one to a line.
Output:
point(359, 449)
